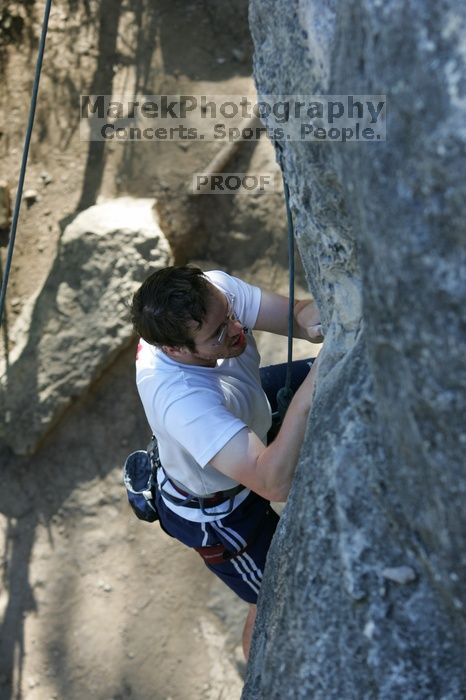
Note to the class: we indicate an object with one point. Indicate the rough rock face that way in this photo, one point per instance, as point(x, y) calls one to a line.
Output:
point(79, 321)
point(364, 591)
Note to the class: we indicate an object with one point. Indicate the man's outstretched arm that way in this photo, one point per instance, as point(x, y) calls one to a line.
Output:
point(273, 317)
point(269, 470)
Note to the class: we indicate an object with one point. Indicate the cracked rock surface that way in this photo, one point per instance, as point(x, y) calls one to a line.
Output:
point(363, 595)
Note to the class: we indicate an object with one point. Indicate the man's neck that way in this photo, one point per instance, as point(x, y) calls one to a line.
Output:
point(192, 359)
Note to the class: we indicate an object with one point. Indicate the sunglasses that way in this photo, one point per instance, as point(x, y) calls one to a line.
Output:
point(231, 316)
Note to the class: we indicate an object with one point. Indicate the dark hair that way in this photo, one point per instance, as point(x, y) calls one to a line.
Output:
point(167, 302)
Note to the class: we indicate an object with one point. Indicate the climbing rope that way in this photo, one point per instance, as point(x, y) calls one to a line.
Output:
point(285, 394)
point(22, 173)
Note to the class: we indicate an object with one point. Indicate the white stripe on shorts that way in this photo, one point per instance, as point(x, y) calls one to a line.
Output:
point(251, 584)
point(253, 565)
point(205, 539)
point(233, 537)
point(256, 576)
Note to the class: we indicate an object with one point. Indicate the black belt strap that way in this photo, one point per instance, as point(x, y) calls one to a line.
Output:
point(192, 501)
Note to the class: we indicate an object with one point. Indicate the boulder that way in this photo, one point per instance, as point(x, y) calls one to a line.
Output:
point(363, 595)
point(79, 321)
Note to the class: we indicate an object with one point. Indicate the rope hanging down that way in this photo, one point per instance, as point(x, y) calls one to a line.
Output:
point(27, 141)
point(285, 394)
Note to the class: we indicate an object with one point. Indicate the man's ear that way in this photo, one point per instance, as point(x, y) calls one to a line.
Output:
point(168, 349)
point(174, 351)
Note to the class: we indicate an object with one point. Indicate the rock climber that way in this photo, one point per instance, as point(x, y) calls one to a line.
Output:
point(197, 373)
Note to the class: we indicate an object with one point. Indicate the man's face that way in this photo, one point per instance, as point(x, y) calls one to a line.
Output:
point(220, 336)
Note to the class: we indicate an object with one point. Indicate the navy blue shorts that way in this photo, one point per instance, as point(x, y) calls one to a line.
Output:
point(250, 527)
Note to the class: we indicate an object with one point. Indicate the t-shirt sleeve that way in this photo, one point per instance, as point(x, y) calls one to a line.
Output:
point(201, 424)
point(247, 296)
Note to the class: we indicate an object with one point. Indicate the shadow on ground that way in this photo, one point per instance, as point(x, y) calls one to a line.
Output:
point(92, 439)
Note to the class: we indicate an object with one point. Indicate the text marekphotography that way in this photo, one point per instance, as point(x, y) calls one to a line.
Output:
point(319, 118)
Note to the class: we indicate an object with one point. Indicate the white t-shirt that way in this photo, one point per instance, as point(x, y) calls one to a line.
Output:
point(194, 411)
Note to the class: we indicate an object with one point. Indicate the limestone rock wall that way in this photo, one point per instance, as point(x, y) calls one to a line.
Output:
point(364, 592)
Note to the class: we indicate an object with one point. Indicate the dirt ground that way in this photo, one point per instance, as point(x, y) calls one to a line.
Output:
point(94, 603)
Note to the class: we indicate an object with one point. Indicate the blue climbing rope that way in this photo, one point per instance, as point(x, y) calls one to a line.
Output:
point(27, 141)
point(285, 394)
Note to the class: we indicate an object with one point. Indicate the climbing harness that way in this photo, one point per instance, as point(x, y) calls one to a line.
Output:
point(140, 479)
point(22, 173)
point(190, 500)
point(218, 553)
